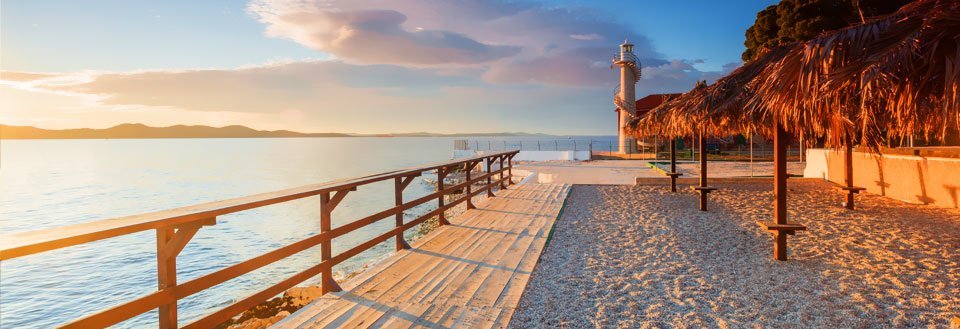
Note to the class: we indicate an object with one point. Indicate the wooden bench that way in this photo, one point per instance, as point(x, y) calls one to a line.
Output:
point(703, 191)
point(789, 228)
point(673, 180)
point(853, 189)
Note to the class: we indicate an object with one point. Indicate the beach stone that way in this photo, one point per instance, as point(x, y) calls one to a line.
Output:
point(300, 296)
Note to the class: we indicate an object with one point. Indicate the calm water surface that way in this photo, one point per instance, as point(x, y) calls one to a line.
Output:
point(53, 183)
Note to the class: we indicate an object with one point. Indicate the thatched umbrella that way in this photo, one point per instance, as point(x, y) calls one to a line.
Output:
point(719, 109)
point(893, 76)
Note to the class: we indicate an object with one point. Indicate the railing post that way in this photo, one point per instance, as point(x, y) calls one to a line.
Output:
point(170, 241)
point(328, 284)
point(489, 162)
point(510, 169)
point(399, 186)
point(502, 184)
point(441, 174)
point(166, 276)
point(468, 168)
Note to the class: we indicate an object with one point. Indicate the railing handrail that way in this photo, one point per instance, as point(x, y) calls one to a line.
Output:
point(32, 242)
point(176, 227)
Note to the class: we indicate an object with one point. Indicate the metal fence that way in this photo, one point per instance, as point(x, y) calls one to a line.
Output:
point(650, 149)
point(534, 145)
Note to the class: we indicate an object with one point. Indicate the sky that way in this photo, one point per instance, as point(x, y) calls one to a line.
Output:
point(353, 66)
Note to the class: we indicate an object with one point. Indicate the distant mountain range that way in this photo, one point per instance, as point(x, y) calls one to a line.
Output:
point(136, 130)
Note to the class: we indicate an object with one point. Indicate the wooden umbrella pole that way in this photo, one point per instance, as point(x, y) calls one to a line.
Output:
point(780, 190)
point(673, 165)
point(703, 160)
point(780, 227)
point(848, 172)
point(703, 189)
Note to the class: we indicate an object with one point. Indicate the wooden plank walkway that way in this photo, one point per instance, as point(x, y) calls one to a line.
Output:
point(470, 274)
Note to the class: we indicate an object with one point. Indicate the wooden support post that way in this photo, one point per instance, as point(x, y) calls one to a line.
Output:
point(703, 172)
point(468, 167)
point(848, 170)
point(400, 184)
point(441, 174)
point(780, 189)
point(170, 242)
point(327, 204)
point(166, 277)
point(503, 185)
point(489, 162)
point(779, 226)
point(510, 169)
point(673, 165)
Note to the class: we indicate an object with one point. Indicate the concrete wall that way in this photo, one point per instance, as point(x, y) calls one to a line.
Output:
point(532, 155)
point(914, 179)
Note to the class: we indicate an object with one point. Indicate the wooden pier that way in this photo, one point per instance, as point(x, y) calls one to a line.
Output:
point(469, 274)
point(491, 247)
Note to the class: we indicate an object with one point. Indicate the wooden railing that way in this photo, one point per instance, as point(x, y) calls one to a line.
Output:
point(175, 228)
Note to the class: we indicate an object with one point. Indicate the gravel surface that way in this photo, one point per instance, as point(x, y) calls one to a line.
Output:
point(639, 256)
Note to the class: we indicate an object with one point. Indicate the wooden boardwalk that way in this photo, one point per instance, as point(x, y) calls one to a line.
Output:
point(470, 274)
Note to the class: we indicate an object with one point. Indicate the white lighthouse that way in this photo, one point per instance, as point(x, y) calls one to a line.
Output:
point(624, 96)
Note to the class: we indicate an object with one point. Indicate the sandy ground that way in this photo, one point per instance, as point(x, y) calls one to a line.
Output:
point(625, 172)
point(638, 256)
point(733, 168)
point(603, 172)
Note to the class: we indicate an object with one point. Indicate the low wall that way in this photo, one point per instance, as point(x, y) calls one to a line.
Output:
point(533, 155)
point(914, 179)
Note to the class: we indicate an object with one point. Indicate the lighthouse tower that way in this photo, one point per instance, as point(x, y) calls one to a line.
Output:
point(625, 95)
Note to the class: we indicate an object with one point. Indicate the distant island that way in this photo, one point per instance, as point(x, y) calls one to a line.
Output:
point(136, 130)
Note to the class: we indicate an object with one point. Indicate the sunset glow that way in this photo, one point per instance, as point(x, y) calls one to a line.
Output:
point(350, 66)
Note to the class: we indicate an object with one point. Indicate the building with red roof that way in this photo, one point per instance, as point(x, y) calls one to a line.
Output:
point(646, 104)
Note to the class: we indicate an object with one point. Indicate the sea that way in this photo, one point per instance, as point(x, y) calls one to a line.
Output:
point(53, 183)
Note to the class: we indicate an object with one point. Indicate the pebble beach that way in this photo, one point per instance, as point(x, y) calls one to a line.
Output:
point(642, 257)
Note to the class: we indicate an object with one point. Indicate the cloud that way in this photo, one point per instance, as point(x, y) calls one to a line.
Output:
point(586, 37)
point(417, 65)
point(374, 36)
point(518, 42)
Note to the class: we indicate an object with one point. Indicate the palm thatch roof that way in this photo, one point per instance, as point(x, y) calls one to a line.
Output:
point(720, 109)
point(896, 75)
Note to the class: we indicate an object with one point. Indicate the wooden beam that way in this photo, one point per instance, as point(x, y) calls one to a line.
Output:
point(848, 170)
point(166, 276)
point(398, 219)
point(503, 185)
point(489, 162)
point(468, 168)
point(673, 165)
point(441, 174)
point(327, 284)
point(703, 189)
point(28, 243)
point(510, 167)
point(780, 189)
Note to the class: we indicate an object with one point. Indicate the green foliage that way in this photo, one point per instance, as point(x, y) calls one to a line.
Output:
point(739, 139)
point(763, 33)
point(799, 20)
